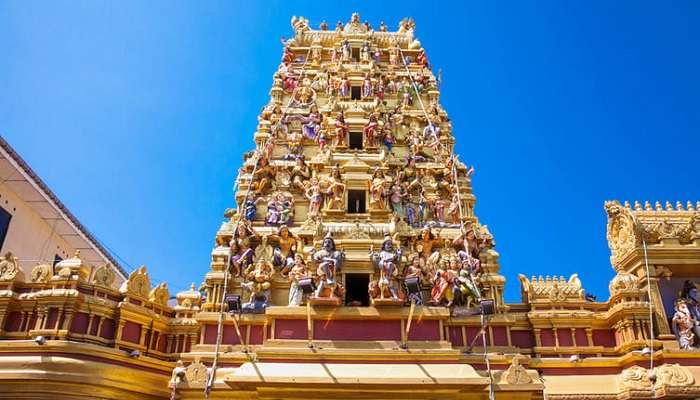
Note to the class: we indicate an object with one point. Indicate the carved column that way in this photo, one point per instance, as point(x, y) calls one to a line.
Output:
point(660, 318)
point(589, 336)
point(142, 339)
point(91, 320)
point(120, 328)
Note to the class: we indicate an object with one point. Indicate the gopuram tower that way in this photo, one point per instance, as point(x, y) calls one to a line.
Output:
point(355, 220)
point(353, 266)
point(353, 149)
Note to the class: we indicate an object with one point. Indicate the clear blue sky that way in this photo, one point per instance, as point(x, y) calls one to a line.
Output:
point(137, 114)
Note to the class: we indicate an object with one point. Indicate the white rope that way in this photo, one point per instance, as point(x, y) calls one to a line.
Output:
point(219, 334)
point(651, 308)
point(461, 215)
point(420, 100)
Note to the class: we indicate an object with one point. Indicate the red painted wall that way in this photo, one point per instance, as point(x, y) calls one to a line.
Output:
point(51, 319)
point(423, 330)
point(131, 332)
point(472, 332)
point(79, 323)
point(581, 338)
point(547, 337)
point(366, 330)
point(230, 336)
point(522, 339)
point(604, 337)
point(256, 334)
point(564, 335)
point(108, 329)
point(500, 337)
point(12, 321)
point(455, 336)
point(290, 329)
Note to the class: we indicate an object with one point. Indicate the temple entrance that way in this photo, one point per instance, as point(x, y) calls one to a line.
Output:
point(356, 286)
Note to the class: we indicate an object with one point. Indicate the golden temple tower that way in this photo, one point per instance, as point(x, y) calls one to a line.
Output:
point(352, 145)
point(354, 266)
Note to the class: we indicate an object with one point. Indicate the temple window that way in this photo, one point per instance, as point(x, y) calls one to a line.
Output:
point(355, 140)
point(357, 202)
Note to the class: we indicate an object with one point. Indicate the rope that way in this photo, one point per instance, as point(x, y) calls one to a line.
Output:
point(651, 308)
point(219, 334)
point(420, 100)
point(484, 321)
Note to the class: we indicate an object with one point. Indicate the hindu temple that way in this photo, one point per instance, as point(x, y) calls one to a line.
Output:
point(352, 265)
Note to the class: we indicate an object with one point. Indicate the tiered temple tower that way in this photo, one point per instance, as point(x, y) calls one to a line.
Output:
point(354, 266)
point(354, 145)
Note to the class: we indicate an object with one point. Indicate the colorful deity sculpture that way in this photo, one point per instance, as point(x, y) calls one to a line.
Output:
point(422, 59)
point(370, 131)
point(414, 272)
point(258, 283)
point(684, 325)
point(311, 123)
point(315, 196)
point(397, 194)
point(336, 190)
point(300, 175)
point(345, 51)
point(689, 294)
point(365, 52)
point(298, 272)
point(250, 207)
point(280, 209)
point(287, 244)
point(366, 89)
point(377, 190)
point(263, 177)
point(387, 263)
point(344, 86)
point(341, 130)
point(394, 56)
point(287, 56)
point(329, 262)
point(427, 246)
point(242, 247)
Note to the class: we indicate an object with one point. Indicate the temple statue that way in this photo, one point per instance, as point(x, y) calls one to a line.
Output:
point(287, 244)
point(301, 173)
point(377, 190)
point(280, 209)
point(257, 282)
point(263, 177)
point(366, 88)
point(370, 131)
point(335, 190)
point(684, 325)
point(313, 194)
point(298, 273)
point(242, 247)
point(414, 275)
point(427, 246)
point(689, 296)
point(386, 262)
point(341, 130)
point(365, 52)
point(329, 261)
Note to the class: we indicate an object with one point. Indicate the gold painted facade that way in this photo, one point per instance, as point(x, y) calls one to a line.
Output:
point(344, 150)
